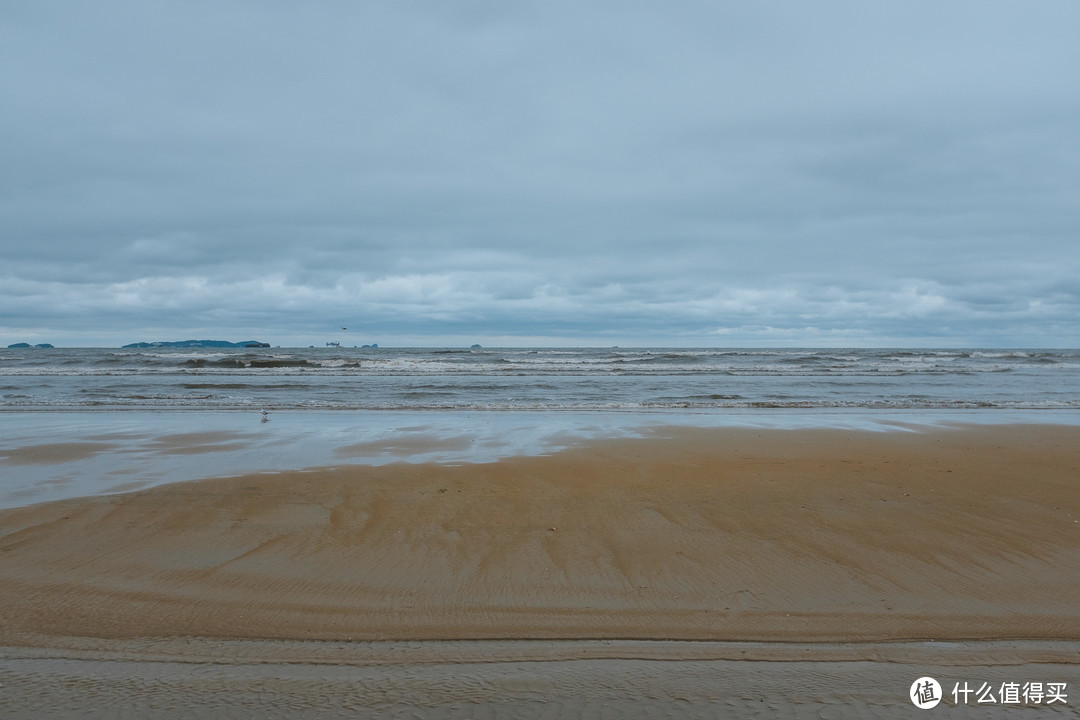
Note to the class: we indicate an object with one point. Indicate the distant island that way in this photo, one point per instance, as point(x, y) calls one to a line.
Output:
point(21, 346)
point(198, 344)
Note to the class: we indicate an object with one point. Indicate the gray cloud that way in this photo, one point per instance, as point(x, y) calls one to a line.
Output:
point(701, 173)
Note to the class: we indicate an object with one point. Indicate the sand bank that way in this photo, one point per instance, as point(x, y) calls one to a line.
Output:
point(800, 541)
point(732, 534)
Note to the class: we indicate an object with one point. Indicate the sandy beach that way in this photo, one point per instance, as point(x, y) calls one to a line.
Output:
point(861, 555)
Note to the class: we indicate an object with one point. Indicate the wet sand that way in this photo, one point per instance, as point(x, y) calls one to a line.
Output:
point(812, 542)
point(521, 679)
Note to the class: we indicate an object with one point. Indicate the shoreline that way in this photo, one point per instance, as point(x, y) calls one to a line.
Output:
point(698, 534)
point(695, 572)
point(56, 455)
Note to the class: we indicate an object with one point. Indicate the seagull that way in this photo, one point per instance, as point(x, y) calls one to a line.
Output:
point(265, 416)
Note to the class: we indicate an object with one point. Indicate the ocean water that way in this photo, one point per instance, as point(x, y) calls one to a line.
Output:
point(537, 379)
point(84, 421)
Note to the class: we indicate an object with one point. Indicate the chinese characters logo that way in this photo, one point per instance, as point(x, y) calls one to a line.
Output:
point(925, 693)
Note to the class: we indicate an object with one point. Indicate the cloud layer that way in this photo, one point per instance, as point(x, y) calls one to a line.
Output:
point(783, 173)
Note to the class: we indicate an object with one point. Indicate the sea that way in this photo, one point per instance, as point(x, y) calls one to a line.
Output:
point(76, 421)
point(451, 379)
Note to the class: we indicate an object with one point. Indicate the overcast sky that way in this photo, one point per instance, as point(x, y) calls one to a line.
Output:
point(677, 173)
